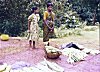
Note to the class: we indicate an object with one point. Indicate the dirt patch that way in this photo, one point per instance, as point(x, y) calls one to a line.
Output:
point(18, 50)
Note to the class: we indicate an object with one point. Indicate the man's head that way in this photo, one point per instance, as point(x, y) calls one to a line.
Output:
point(49, 6)
point(35, 9)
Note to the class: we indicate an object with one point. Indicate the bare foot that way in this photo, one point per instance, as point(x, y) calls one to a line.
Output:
point(34, 47)
point(30, 47)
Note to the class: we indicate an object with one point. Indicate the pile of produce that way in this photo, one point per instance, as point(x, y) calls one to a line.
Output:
point(91, 51)
point(52, 52)
point(4, 37)
point(44, 66)
point(76, 52)
point(4, 67)
point(19, 65)
point(74, 55)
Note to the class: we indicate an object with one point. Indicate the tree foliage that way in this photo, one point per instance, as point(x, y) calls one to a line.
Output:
point(13, 16)
point(88, 9)
point(14, 13)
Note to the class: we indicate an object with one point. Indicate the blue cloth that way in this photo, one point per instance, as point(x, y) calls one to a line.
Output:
point(20, 65)
point(70, 45)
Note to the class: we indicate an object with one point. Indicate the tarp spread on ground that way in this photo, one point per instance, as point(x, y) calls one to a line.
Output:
point(52, 52)
point(44, 66)
point(72, 44)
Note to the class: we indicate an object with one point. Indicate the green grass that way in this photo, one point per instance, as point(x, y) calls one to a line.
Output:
point(89, 39)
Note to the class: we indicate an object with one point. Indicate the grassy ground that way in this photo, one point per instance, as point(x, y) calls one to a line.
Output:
point(89, 39)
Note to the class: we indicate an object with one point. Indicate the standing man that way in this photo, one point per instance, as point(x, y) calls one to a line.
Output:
point(48, 26)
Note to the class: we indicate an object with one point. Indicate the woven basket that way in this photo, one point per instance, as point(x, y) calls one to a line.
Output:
point(52, 55)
